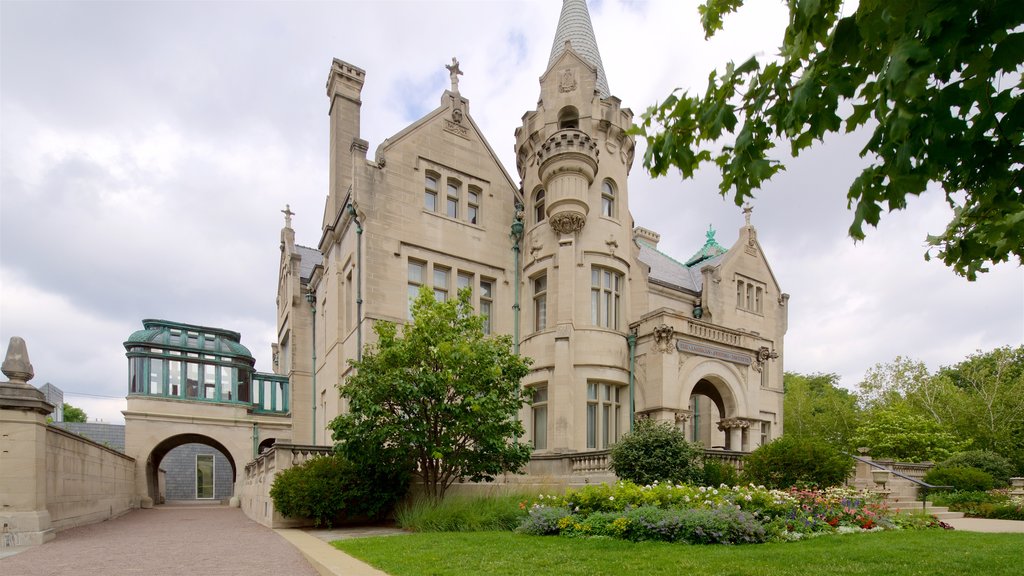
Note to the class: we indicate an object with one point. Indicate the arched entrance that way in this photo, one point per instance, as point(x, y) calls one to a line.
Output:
point(202, 476)
point(707, 409)
point(266, 444)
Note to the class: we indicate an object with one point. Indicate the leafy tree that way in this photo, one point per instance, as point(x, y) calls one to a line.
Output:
point(940, 81)
point(656, 451)
point(74, 414)
point(441, 393)
point(816, 407)
point(899, 433)
point(988, 404)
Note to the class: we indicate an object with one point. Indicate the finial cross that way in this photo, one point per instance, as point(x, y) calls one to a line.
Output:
point(287, 215)
point(454, 73)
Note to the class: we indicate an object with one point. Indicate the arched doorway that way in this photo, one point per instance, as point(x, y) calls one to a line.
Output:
point(266, 444)
point(192, 468)
point(707, 407)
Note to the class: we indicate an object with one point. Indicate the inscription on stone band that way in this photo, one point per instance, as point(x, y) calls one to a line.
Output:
point(713, 352)
point(457, 129)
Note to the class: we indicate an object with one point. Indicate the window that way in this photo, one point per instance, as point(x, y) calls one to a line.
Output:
point(174, 377)
point(750, 295)
point(602, 415)
point(441, 276)
point(225, 384)
point(204, 476)
point(486, 302)
point(464, 280)
point(568, 118)
point(540, 417)
point(605, 292)
point(766, 432)
point(607, 199)
point(156, 376)
point(430, 195)
point(540, 302)
point(538, 207)
point(473, 205)
point(417, 270)
point(452, 205)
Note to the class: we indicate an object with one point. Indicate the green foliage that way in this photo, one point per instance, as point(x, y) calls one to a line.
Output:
point(655, 451)
point(786, 462)
point(326, 488)
point(988, 404)
point(962, 500)
point(898, 433)
point(441, 395)
point(968, 479)
point(717, 473)
point(464, 513)
point(995, 465)
point(816, 407)
point(74, 414)
point(939, 82)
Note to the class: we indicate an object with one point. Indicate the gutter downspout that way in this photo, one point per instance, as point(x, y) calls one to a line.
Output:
point(359, 281)
point(311, 298)
point(631, 340)
point(255, 439)
point(517, 236)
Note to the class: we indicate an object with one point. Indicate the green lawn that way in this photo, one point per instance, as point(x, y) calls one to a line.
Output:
point(924, 552)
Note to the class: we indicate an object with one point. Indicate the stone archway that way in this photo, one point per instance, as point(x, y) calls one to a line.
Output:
point(713, 395)
point(163, 448)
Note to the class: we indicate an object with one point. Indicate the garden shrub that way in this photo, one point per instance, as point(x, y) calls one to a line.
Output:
point(786, 462)
point(999, 467)
point(970, 479)
point(717, 473)
point(961, 500)
point(656, 451)
point(326, 488)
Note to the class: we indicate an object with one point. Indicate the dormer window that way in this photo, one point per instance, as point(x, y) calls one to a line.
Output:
point(569, 118)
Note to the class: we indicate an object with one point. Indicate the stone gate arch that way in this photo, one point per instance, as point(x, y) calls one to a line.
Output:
point(161, 450)
point(720, 384)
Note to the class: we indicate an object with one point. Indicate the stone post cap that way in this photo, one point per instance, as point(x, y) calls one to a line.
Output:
point(16, 365)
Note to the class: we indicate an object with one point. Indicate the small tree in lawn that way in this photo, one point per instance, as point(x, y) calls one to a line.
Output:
point(438, 392)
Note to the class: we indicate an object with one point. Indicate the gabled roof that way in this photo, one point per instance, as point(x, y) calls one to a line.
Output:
point(574, 27)
point(672, 273)
point(710, 249)
point(310, 258)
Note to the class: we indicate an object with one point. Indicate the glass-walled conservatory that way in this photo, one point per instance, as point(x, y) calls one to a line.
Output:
point(196, 363)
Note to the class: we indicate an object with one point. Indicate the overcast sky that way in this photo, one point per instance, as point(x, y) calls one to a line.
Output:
point(147, 149)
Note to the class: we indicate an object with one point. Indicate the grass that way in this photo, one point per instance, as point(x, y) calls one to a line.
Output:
point(907, 552)
point(464, 513)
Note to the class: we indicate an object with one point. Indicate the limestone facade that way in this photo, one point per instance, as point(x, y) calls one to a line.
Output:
point(617, 330)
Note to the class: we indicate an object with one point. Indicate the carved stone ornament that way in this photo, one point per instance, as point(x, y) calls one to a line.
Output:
point(730, 423)
point(568, 222)
point(763, 355)
point(682, 416)
point(567, 81)
point(663, 338)
point(457, 115)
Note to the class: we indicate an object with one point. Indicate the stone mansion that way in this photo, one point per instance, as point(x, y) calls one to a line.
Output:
point(616, 329)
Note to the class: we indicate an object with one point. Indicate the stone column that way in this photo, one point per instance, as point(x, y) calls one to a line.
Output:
point(24, 519)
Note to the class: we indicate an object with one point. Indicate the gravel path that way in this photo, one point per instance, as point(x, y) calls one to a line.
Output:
point(164, 541)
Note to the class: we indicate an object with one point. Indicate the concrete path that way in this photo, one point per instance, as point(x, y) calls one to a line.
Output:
point(985, 525)
point(164, 541)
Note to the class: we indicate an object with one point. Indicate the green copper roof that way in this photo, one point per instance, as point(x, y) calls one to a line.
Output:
point(710, 249)
point(189, 338)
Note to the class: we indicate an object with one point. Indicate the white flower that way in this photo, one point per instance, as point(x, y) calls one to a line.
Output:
point(715, 492)
point(611, 497)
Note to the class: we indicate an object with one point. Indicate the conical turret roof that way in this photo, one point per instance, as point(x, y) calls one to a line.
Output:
point(574, 27)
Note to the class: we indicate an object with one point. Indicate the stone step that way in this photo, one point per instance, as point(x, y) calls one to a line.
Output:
point(940, 512)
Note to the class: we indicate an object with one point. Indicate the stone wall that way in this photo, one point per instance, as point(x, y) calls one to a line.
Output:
point(86, 482)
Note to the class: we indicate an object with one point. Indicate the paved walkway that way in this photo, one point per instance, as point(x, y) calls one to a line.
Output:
point(164, 541)
point(985, 525)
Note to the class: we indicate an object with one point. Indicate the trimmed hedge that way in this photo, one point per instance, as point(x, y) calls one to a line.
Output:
point(656, 452)
point(966, 479)
point(991, 462)
point(788, 461)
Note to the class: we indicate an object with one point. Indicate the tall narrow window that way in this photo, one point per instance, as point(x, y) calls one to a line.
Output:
point(540, 302)
point(441, 276)
point(750, 297)
point(740, 292)
point(486, 303)
point(416, 272)
point(758, 294)
point(607, 199)
point(605, 295)
point(603, 409)
point(540, 418)
point(473, 205)
point(538, 207)
point(766, 432)
point(156, 375)
point(430, 194)
point(464, 280)
point(452, 205)
point(204, 476)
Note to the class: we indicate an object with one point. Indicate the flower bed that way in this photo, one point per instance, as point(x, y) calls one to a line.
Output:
point(701, 515)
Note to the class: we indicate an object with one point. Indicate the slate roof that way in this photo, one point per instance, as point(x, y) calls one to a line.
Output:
point(672, 273)
point(574, 26)
point(311, 258)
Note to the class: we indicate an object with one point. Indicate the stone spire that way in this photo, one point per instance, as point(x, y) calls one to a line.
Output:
point(574, 28)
